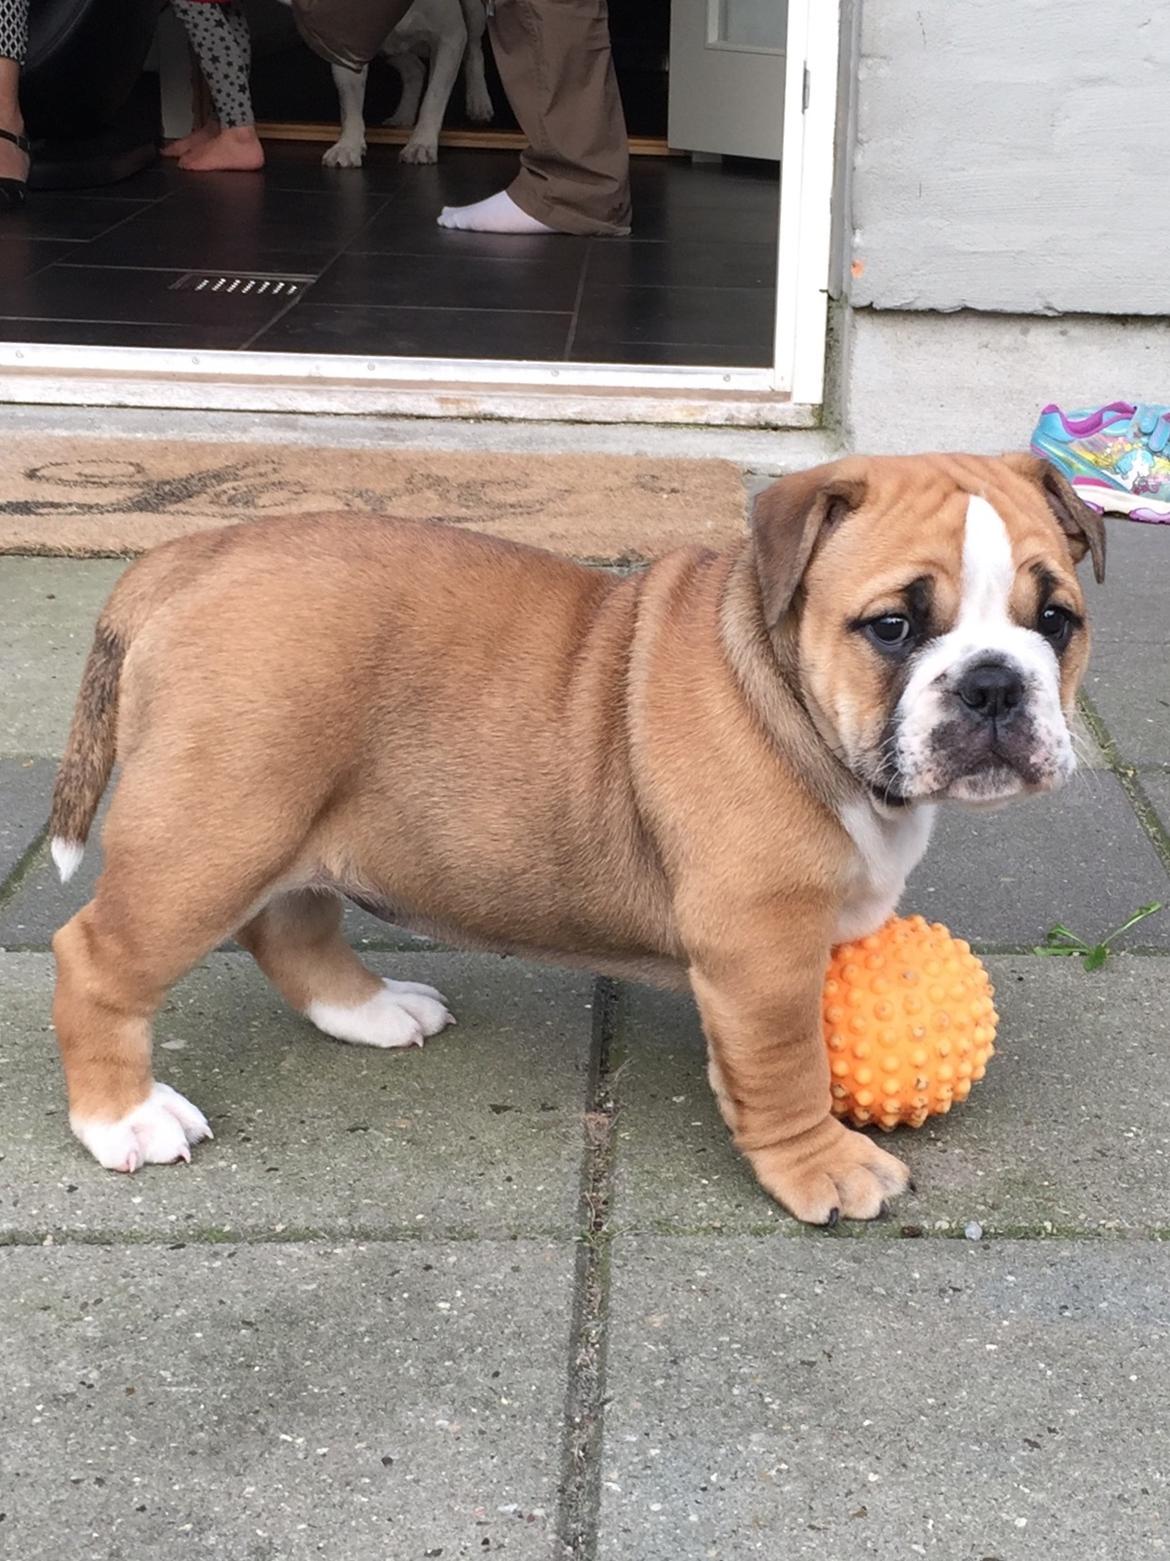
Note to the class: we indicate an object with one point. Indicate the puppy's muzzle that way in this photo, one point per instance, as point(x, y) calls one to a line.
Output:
point(995, 737)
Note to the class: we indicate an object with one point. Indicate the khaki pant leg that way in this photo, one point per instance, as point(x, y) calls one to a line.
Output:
point(556, 64)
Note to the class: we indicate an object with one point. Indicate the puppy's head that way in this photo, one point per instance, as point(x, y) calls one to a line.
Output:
point(939, 626)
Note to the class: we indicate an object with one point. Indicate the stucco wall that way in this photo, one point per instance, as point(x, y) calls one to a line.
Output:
point(923, 381)
point(1010, 155)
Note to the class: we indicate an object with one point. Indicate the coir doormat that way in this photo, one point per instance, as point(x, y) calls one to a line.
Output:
point(98, 497)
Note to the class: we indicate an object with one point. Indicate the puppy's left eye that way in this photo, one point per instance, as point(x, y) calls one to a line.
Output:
point(1054, 624)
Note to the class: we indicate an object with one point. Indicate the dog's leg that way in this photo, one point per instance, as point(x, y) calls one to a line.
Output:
point(423, 146)
point(178, 879)
point(350, 147)
point(477, 99)
point(296, 940)
point(413, 73)
point(758, 986)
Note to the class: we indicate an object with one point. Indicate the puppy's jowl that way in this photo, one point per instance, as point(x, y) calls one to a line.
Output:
point(705, 775)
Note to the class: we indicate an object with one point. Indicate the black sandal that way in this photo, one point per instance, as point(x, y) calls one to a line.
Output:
point(12, 191)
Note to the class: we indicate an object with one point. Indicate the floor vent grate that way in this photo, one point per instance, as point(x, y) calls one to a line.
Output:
point(240, 284)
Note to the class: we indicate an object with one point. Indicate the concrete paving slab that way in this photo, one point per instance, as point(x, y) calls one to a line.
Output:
point(1069, 1131)
point(992, 1402)
point(1156, 785)
point(25, 785)
point(48, 607)
point(1131, 624)
point(1080, 857)
point(397, 1400)
point(1130, 607)
point(480, 1132)
point(1128, 685)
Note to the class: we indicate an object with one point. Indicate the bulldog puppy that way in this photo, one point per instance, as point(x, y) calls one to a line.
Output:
point(706, 774)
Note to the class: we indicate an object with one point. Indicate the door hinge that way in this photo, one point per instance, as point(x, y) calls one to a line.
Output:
point(805, 91)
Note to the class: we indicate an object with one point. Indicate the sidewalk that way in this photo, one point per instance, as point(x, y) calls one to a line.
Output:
point(514, 1293)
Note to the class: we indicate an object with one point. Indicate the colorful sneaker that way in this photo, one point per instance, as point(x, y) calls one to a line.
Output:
point(1117, 458)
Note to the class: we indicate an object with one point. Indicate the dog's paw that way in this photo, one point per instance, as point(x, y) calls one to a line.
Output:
point(479, 107)
point(400, 119)
point(419, 152)
point(158, 1132)
point(830, 1173)
point(344, 154)
point(403, 1013)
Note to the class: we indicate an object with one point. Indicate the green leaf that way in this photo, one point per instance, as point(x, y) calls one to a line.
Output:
point(1139, 915)
point(1061, 941)
point(1095, 958)
point(1055, 949)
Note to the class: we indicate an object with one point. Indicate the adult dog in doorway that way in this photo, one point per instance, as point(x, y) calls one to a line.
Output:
point(428, 45)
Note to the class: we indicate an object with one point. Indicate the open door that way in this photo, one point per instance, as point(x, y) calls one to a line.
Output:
point(767, 86)
point(727, 77)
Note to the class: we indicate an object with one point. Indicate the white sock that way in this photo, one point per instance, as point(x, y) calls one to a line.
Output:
point(498, 214)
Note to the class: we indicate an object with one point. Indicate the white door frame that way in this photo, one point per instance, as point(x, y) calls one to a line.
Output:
point(786, 395)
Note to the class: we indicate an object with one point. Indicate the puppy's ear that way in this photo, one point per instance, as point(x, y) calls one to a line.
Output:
point(1083, 527)
point(789, 520)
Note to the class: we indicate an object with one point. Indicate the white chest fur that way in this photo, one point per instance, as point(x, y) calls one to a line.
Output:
point(889, 846)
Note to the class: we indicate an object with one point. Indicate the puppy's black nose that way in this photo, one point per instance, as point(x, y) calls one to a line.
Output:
point(991, 689)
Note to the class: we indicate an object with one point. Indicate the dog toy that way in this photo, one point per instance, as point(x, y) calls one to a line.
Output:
point(909, 1022)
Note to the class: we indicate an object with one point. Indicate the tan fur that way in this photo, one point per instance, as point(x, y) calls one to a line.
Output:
point(637, 774)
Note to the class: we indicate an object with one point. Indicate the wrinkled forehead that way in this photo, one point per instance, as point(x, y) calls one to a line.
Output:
point(978, 553)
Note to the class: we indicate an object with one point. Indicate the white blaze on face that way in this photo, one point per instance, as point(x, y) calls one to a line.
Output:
point(984, 628)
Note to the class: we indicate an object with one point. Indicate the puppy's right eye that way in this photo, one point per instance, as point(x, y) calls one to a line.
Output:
point(889, 631)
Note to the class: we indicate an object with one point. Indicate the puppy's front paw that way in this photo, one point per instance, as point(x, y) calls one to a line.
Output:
point(830, 1173)
point(158, 1132)
point(419, 152)
point(403, 1013)
point(344, 154)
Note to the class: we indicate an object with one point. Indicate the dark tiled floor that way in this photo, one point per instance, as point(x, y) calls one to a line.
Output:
point(695, 284)
point(451, 333)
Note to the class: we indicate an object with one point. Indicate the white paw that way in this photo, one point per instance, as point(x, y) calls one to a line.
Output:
point(403, 1013)
point(400, 119)
point(479, 107)
point(419, 152)
point(157, 1132)
point(344, 154)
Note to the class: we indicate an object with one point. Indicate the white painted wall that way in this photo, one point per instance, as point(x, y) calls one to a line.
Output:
point(1010, 156)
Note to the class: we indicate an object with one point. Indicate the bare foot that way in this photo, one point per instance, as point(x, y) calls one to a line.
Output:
point(237, 148)
point(185, 144)
point(13, 162)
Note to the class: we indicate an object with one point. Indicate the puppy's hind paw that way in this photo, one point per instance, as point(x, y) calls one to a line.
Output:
point(158, 1132)
point(403, 1013)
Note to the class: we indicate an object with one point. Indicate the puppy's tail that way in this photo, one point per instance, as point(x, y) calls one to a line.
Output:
point(89, 751)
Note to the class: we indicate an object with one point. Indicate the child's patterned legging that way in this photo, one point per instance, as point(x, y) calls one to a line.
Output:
point(13, 30)
point(219, 35)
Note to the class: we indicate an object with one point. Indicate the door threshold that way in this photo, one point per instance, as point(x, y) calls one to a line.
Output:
point(42, 374)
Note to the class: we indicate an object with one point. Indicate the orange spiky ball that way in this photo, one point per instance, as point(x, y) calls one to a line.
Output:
point(909, 1022)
